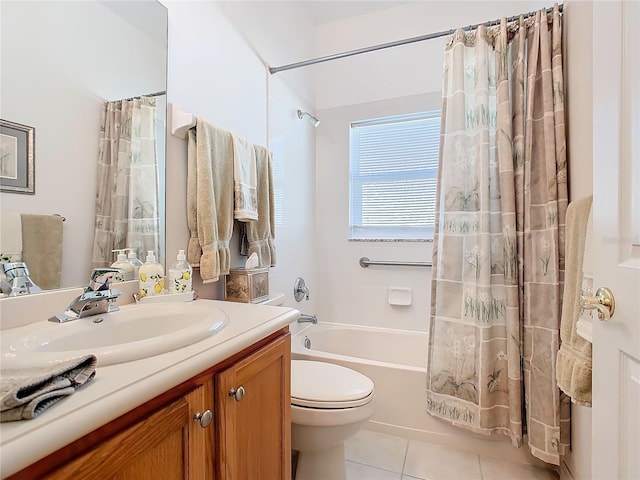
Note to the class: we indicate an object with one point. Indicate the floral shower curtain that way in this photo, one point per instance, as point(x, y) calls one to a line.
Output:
point(127, 193)
point(498, 247)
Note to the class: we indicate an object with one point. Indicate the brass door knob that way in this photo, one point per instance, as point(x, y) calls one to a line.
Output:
point(604, 302)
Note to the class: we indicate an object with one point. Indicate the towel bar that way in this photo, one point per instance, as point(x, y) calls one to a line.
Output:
point(181, 122)
point(365, 262)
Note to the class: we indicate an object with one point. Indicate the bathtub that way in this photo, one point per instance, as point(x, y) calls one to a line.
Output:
point(396, 361)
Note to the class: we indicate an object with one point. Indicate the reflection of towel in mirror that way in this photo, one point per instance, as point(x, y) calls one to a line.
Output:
point(26, 392)
point(209, 199)
point(573, 366)
point(244, 177)
point(260, 235)
point(42, 249)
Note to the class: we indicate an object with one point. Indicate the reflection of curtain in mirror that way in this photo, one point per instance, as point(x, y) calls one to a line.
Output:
point(127, 186)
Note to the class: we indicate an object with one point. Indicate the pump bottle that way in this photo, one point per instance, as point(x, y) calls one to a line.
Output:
point(134, 261)
point(180, 274)
point(151, 277)
point(122, 264)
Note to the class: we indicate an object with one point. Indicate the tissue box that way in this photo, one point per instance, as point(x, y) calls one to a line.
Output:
point(247, 285)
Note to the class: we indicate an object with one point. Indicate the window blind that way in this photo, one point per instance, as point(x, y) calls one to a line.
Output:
point(393, 173)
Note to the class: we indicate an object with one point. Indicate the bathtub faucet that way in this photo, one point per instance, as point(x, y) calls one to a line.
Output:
point(304, 318)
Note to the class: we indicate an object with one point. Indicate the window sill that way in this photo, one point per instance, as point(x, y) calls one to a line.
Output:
point(404, 240)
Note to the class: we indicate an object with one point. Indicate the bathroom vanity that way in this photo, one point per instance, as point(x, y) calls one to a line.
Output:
point(219, 408)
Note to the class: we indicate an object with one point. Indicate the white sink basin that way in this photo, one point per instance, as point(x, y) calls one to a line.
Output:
point(132, 333)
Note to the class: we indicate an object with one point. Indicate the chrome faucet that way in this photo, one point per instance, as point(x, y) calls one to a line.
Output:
point(304, 318)
point(98, 297)
point(17, 280)
point(102, 278)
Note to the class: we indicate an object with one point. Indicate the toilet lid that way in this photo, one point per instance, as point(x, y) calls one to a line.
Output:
point(325, 385)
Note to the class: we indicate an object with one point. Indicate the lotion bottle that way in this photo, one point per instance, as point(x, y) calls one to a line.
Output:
point(134, 261)
point(122, 264)
point(151, 277)
point(180, 274)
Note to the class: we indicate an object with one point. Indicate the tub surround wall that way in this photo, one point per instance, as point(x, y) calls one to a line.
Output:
point(350, 293)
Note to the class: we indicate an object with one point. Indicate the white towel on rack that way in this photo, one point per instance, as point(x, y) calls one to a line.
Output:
point(245, 201)
point(260, 235)
point(11, 237)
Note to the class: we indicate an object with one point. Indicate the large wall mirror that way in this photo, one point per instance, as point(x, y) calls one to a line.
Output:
point(60, 62)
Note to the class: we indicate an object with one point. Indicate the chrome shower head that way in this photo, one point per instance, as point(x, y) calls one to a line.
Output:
point(314, 121)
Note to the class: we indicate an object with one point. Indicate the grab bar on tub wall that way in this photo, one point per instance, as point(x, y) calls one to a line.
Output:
point(365, 262)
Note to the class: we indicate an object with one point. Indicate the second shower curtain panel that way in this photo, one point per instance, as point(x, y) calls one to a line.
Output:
point(498, 247)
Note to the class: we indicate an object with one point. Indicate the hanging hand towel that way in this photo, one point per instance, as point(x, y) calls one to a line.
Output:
point(26, 392)
point(210, 199)
point(42, 248)
point(573, 366)
point(244, 181)
point(260, 235)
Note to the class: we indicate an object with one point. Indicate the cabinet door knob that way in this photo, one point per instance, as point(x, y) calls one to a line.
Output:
point(203, 418)
point(238, 394)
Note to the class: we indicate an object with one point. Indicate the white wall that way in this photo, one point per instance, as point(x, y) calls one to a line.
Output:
point(350, 293)
point(578, 59)
point(279, 33)
point(399, 71)
point(215, 73)
point(52, 81)
point(397, 80)
point(292, 142)
point(253, 34)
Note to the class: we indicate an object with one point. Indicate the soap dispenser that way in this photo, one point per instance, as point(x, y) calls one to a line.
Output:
point(134, 261)
point(122, 264)
point(151, 276)
point(180, 274)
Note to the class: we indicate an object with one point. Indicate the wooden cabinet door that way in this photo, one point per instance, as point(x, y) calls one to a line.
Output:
point(168, 444)
point(253, 427)
point(201, 446)
point(154, 448)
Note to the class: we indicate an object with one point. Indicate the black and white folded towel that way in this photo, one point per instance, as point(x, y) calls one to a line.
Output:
point(26, 392)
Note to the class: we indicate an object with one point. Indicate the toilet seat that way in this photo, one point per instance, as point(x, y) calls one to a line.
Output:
point(322, 385)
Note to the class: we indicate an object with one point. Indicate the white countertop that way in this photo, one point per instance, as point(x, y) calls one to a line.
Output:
point(117, 389)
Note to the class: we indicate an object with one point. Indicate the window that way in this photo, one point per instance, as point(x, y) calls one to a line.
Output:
point(393, 174)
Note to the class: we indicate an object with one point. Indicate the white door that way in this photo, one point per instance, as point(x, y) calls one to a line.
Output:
point(616, 238)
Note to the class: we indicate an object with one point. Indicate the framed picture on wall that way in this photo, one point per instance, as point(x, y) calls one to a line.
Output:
point(17, 169)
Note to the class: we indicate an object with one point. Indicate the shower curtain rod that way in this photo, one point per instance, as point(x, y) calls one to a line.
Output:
point(396, 43)
point(154, 94)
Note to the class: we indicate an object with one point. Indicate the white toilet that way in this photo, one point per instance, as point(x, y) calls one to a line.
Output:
point(329, 403)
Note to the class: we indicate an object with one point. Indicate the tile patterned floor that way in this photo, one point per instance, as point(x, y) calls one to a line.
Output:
point(376, 456)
